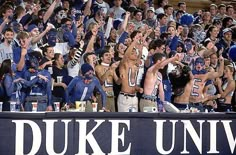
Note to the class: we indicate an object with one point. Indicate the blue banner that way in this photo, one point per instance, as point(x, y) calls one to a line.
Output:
point(117, 133)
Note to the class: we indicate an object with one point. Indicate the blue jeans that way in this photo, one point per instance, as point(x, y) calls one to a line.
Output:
point(167, 90)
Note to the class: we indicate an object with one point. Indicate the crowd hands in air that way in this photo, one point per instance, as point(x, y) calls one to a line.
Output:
point(125, 55)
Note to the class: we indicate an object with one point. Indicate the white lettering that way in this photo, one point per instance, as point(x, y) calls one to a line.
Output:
point(115, 137)
point(193, 134)
point(159, 136)
point(229, 134)
point(89, 137)
point(213, 137)
point(19, 143)
point(50, 135)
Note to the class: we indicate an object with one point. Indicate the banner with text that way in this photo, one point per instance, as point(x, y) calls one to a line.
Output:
point(114, 136)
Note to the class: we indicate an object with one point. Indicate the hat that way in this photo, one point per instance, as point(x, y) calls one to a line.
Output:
point(186, 19)
point(232, 53)
point(96, 8)
point(85, 68)
point(151, 9)
point(31, 27)
point(227, 30)
point(116, 23)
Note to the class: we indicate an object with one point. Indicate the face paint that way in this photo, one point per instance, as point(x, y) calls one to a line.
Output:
point(34, 63)
point(188, 46)
point(200, 61)
point(89, 75)
point(61, 14)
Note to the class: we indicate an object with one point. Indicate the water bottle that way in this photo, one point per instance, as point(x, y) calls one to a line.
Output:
point(160, 106)
point(17, 105)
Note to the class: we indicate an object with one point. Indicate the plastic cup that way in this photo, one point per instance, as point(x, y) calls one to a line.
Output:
point(59, 79)
point(34, 106)
point(95, 106)
point(12, 106)
point(78, 106)
point(50, 70)
point(57, 106)
point(83, 105)
point(1, 106)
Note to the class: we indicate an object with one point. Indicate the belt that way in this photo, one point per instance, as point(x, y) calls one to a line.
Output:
point(126, 94)
point(36, 98)
point(197, 104)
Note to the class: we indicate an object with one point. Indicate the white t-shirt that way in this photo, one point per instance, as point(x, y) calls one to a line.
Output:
point(6, 52)
point(118, 11)
point(74, 71)
point(105, 7)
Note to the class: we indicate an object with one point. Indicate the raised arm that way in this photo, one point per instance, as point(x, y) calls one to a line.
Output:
point(40, 36)
point(77, 56)
point(50, 10)
point(165, 62)
point(21, 63)
point(130, 48)
point(87, 8)
point(124, 23)
point(6, 21)
point(213, 75)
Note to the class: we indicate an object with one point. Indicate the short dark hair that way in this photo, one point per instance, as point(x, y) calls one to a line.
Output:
point(134, 33)
point(137, 11)
point(45, 49)
point(228, 7)
point(86, 56)
point(167, 6)
point(8, 30)
point(161, 15)
point(156, 43)
point(158, 56)
point(221, 6)
point(181, 3)
point(103, 52)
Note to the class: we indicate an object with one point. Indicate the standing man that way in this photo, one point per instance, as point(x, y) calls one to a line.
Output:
point(200, 79)
point(20, 55)
point(81, 88)
point(106, 73)
point(153, 81)
point(6, 51)
point(127, 99)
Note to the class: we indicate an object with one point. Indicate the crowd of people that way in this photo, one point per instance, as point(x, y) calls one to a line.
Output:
point(125, 55)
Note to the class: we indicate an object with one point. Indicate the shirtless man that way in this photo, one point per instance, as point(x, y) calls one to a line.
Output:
point(106, 73)
point(200, 78)
point(153, 81)
point(127, 99)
